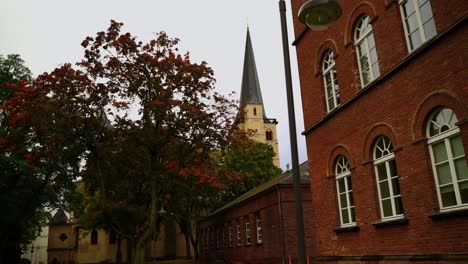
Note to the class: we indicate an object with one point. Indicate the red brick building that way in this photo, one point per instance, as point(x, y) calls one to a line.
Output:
point(259, 226)
point(385, 93)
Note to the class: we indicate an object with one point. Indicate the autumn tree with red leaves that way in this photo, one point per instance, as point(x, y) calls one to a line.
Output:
point(163, 109)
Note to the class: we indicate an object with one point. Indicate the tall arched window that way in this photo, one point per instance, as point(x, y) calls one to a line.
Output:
point(418, 22)
point(366, 51)
point(345, 192)
point(388, 183)
point(332, 91)
point(269, 135)
point(448, 159)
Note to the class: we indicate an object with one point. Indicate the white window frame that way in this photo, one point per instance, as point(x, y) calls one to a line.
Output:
point(239, 235)
point(258, 226)
point(247, 230)
point(445, 137)
point(330, 70)
point(364, 39)
point(231, 236)
point(422, 32)
point(348, 193)
point(386, 160)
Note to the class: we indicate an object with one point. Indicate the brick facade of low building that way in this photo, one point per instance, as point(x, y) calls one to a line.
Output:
point(273, 205)
point(408, 200)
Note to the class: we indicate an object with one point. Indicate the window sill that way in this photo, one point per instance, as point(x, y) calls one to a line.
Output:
point(398, 221)
point(449, 214)
point(343, 229)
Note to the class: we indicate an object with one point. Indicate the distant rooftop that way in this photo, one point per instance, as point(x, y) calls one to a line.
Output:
point(60, 218)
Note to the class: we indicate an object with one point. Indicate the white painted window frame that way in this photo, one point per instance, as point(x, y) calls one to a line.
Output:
point(364, 38)
point(231, 236)
point(338, 177)
point(247, 230)
point(386, 160)
point(258, 227)
point(446, 136)
point(422, 32)
point(335, 89)
point(238, 231)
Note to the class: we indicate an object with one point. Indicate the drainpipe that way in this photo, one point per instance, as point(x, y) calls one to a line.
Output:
point(280, 211)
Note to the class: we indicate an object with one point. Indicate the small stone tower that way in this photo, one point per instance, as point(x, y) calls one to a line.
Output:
point(252, 114)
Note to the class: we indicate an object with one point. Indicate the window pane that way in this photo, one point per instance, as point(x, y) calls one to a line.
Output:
point(426, 12)
point(408, 7)
point(382, 171)
point(464, 191)
point(331, 103)
point(350, 186)
point(351, 199)
point(440, 152)
point(373, 55)
point(341, 185)
point(398, 205)
point(344, 216)
point(371, 41)
point(343, 201)
point(375, 70)
point(328, 79)
point(443, 173)
point(448, 196)
point(393, 168)
point(384, 190)
point(415, 39)
point(387, 207)
point(457, 146)
point(429, 28)
point(412, 23)
point(461, 168)
point(353, 214)
point(396, 186)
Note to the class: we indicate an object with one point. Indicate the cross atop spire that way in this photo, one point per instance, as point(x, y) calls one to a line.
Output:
point(250, 89)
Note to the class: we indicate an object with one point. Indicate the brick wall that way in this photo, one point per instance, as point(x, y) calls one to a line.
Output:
point(397, 106)
point(274, 228)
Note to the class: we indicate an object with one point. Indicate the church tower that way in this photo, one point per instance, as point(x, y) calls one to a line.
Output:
point(252, 114)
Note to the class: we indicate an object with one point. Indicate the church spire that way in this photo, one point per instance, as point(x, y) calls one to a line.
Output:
point(250, 89)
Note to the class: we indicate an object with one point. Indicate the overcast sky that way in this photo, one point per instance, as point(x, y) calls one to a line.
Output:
point(47, 33)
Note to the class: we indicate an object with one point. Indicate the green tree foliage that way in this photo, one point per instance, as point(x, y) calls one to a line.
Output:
point(250, 161)
point(23, 190)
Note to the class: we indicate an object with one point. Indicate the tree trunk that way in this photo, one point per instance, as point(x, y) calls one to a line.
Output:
point(187, 246)
point(118, 254)
point(193, 239)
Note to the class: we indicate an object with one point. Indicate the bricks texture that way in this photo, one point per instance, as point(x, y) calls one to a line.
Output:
point(397, 104)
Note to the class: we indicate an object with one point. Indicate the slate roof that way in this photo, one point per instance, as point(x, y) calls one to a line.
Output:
point(60, 218)
point(282, 179)
point(250, 88)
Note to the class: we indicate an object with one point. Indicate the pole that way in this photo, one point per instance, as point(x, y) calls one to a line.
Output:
point(292, 136)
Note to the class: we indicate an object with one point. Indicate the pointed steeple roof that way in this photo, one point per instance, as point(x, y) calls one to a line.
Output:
point(250, 89)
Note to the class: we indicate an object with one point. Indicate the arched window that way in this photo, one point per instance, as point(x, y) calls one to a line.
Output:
point(269, 135)
point(418, 22)
point(345, 192)
point(366, 51)
point(94, 237)
point(448, 159)
point(388, 183)
point(332, 91)
point(255, 111)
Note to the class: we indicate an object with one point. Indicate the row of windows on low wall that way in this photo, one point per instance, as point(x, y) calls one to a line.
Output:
point(419, 26)
point(233, 233)
point(448, 164)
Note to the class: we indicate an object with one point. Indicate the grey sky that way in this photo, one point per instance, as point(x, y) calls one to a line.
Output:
point(47, 33)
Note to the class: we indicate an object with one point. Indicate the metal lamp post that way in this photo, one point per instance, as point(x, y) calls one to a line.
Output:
point(316, 14)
